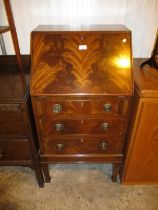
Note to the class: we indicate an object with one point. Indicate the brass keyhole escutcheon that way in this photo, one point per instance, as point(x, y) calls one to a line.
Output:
point(82, 140)
point(103, 145)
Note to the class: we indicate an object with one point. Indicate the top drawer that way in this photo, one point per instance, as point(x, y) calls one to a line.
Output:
point(111, 105)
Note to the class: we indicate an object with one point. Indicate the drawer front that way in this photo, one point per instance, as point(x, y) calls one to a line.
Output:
point(15, 150)
point(81, 146)
point(11, 121)
point(108, 127)
point(109, 106)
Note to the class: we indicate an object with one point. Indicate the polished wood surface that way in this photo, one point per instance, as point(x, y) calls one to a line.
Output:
point(89, 158)
point(15, 150)
point(141, 163)
point(109, 106)
point(81, 88)
point(11, 121)
point(81, 146)
point(82, 28)
point(18, 144)
point(113, 127)
point(11, 83)
point(102, 68)
point(146, 80)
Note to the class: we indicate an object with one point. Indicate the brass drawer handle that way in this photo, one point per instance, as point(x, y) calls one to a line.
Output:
point(107, 107)
point(103, 145)
point(105, 126)
point(60, 147)
point(59, 127)
point(57, 108)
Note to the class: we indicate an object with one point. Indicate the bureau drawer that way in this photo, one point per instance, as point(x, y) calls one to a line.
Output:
point(81, 146)
point(11, 121)
point(108, 127)
point(15, 150)
point(110, 106)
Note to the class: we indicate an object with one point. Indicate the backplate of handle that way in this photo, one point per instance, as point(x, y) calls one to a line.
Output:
point(60, 147)
point(57, 108)
point(59, 127)
point(107, 107)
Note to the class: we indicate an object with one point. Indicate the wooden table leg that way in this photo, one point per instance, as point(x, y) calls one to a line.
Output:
point(46, 172)
point(115, 171)
point(39, 175)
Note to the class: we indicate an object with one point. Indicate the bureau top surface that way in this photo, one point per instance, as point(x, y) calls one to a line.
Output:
point(146, 79)
point(88, 60)
point(80, 28)
point(11, 84)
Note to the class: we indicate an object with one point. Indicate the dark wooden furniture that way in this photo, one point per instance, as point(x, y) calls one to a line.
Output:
point(18, 145)
point(141, 163)
point(81, 87)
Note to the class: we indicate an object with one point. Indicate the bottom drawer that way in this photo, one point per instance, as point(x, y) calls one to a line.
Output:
point(15, 150)
point(81, 146)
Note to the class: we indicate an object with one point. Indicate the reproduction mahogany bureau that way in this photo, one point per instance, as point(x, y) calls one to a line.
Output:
point(18, 144)
point(81, 88)
point(141, 163)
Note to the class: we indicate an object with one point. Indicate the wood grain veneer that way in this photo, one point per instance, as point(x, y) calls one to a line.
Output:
point(81, 88)
point(58, 60)
point(141, 163)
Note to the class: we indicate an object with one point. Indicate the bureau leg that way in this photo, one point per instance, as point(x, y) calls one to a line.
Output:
point(39, 174)
point(46, 172)
point(115, 171)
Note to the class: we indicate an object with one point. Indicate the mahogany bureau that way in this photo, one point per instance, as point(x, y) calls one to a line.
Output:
point(81, 89)
point(18, 144)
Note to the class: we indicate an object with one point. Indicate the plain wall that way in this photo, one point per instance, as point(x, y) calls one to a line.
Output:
point(140, 16)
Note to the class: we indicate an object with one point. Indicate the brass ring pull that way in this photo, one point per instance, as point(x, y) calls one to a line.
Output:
point(57, 108)
point(60, 147)
point(107, 107)
point(103, 145)
point(59, 127)
point(105, 126)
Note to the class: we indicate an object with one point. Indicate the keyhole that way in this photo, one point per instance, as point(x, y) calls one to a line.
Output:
point(82, 38)
point(82, 140)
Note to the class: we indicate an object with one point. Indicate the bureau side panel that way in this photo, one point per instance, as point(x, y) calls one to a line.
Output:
point(141, 164)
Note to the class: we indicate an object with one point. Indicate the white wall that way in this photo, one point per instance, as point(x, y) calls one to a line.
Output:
point(141, 16)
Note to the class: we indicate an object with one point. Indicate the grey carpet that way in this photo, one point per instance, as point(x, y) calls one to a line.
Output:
point(73, 187)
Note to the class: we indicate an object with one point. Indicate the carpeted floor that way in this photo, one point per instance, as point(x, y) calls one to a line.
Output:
point(73, 187)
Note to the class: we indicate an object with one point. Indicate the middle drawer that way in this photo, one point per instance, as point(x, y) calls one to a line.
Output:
point(112, 127)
